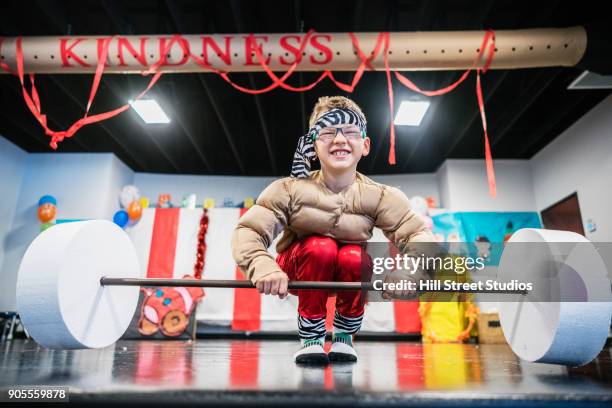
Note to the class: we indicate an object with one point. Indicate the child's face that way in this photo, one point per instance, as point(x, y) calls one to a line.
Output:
point(341, 149)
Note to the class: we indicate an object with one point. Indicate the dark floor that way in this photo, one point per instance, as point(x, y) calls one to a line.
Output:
point(262, 373)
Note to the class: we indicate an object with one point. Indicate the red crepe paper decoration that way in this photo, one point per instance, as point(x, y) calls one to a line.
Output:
point(201, 248)
point(383, 40)
point(488, 40)
point(391, 107)
point(33, 101)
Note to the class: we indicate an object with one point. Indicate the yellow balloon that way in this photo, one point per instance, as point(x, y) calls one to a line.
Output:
point(144, 202)
point(209, 203)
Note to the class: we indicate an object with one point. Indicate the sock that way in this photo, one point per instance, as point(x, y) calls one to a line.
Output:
point(343, 338)
point(310, 330)
point(311, 342)
point(348, 325)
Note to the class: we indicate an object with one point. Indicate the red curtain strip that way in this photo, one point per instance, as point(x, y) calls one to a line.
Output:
point(163, 243)
point(247, 303)
point(383, 40)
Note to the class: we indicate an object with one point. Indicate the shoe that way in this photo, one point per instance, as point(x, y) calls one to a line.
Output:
point(342, 350)
point(311, 353)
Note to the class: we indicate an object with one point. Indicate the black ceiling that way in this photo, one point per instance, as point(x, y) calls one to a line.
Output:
point(216, 129)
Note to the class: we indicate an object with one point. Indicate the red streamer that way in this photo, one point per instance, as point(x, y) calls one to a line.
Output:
point(488, 40)
point(488, 156)
point(33, 101)
point(281, 82)
point(391, 107)
point(383, 40)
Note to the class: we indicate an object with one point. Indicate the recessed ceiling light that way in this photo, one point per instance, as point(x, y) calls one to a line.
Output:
point(410, 113)
point(591, 80)
point(150, 111)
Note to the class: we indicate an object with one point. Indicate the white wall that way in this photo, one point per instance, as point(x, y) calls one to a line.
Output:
point(219, 187)
point(215, 187)
point(442, 179)
point(465, 186)
point(119, 176)
point(423, 184)
point(580, 160)
point(85, 186)
point(12, 164)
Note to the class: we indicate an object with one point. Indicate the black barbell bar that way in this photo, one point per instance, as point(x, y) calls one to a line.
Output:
point(298, 285)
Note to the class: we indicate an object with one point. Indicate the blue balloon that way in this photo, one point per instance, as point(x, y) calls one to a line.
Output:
point(121, 218)
point(47, 199)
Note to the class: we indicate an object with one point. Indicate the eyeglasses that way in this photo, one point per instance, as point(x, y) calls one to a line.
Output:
point(350, 132)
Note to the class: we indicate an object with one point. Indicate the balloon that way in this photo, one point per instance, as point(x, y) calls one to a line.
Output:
point(144, 202)
point(431, 202)
point(209, 203)
point(419, 205)
point(128, 194)
point(46, 212)
point(134, 211)
point(46, 226)
point(121, 218)
point(47, 199)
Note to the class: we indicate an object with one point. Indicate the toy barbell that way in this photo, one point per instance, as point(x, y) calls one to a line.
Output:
point(78, 287)
point(295, 285)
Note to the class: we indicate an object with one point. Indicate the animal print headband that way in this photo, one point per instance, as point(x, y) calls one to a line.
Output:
point(305, 151)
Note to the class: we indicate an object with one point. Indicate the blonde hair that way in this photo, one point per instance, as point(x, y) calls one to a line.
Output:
point(327, 103)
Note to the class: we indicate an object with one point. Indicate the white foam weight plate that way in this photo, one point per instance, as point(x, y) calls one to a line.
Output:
point(59, 297)
point(562, 266)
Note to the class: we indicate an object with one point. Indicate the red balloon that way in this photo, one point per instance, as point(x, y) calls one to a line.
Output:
point(134, 210)
point(46, 212)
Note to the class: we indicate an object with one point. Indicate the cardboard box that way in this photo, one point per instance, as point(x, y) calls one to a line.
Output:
point(489, 329)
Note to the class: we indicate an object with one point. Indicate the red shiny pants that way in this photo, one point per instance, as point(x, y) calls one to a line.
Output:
point(319, 258)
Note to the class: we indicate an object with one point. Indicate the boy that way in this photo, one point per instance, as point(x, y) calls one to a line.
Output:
point(326, 217)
